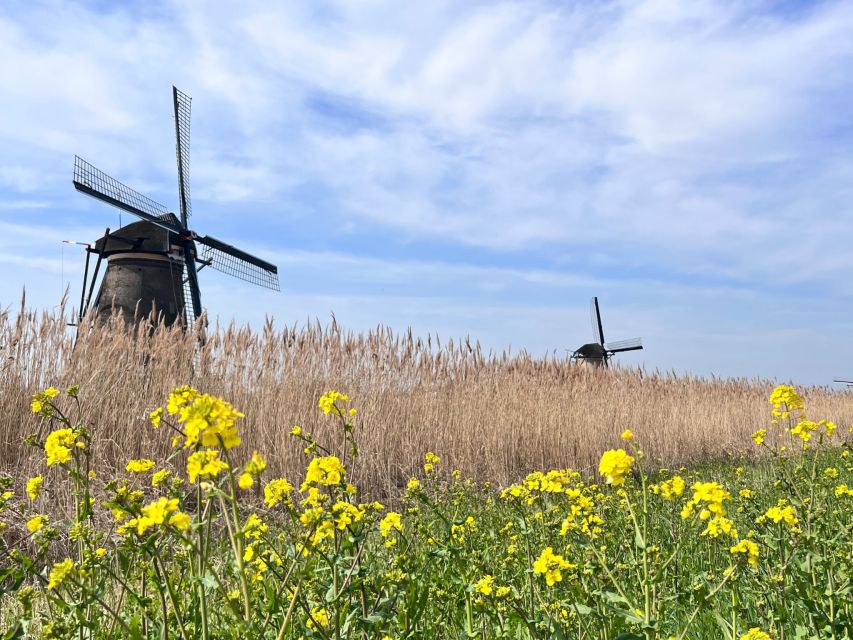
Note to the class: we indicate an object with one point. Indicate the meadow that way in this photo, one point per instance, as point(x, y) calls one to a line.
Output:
point(311, 483)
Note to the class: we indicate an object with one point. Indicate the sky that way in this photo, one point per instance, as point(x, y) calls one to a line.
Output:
point(464, 168)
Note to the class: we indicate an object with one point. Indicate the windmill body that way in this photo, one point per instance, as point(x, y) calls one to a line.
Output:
point(152, 265)
point(599, 352)
point(144, 274)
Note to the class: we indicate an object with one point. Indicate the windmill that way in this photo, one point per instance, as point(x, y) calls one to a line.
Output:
point(848, 383)
point(153, 264)
point(598, 353)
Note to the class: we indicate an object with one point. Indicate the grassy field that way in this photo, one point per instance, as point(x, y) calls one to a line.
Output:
point(224, 547)
point(497, 416)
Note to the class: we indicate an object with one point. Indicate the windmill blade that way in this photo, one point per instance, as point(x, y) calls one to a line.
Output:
point(227, 259)
point(94, 182)
point(619, 346)
point(192, 295)
point(182, 103)
point(595, 317)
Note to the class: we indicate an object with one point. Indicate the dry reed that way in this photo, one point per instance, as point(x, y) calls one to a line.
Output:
point(495, 416)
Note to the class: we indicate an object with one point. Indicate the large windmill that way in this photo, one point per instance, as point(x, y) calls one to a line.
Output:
point(598, 353)
point(153, 264)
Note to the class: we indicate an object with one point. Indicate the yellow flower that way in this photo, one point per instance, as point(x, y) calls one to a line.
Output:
point(669, 489)
point(206, 419)
point(784, 514)
point(747, 547)
point(51, 392)
point(758, 436)
point(804, 429)
point(352, 413)
point(34, 486)
point(153, 514)
point(160, 477)
point(36, 523)
point(277, 491)
point(100, 552)
point(755, 633)
point(205, 464)
point(254, 527)
point(60, 572)
point(551, 565)
point(327, 402)
point(58, 445)
point(326, 471)
point(785, 397)
point(155, 417)
point(253, 469)
point(143, 465)
point(485, 585)
point(296, 431)
point(414, 485)
point(627, 435)
point(318, 617)
point(843, 490)
point(391, 522)
point(180, 521)
point(615, 465)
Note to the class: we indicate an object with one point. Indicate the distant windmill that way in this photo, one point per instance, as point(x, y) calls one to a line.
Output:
point(849, 383)
point(598, 353)
point(151, 264)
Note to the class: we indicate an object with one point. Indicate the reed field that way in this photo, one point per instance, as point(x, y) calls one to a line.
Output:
point(494, 416)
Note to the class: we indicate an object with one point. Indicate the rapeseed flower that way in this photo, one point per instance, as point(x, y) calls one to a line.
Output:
point(318, 617)
point(143, 465)
point(485, 585)
point(758, 436)
point(205, 464)
point(615, 465)
point(60, 572)
point(36, 523)
point(58, 446)
point(277, 491)
point(34, 486)
point(326, 471)
point(153, 514)
point(627, 435)
point(391, 522)
point(327, 402)
point(785, 399)
point(551, 566)
point(755, 633)
point(748, 548)
point(782, 513)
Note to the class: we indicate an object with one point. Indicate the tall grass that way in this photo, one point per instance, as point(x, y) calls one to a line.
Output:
point(494, 415)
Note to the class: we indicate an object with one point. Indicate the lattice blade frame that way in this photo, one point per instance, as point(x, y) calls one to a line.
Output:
point(92, 181)
point(182, 104)
point(632, 344)
point(235, 262)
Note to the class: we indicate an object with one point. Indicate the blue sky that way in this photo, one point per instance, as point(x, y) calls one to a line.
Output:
point(465, 168)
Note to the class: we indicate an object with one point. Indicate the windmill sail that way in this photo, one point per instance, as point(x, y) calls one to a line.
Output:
point(595, 317)
point(182, 103)
point(632, 344)
point(235, 262)
point(94, 182)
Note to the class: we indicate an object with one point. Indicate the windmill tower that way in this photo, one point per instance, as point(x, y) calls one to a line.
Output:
point(153, 264)
point(598, 353)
